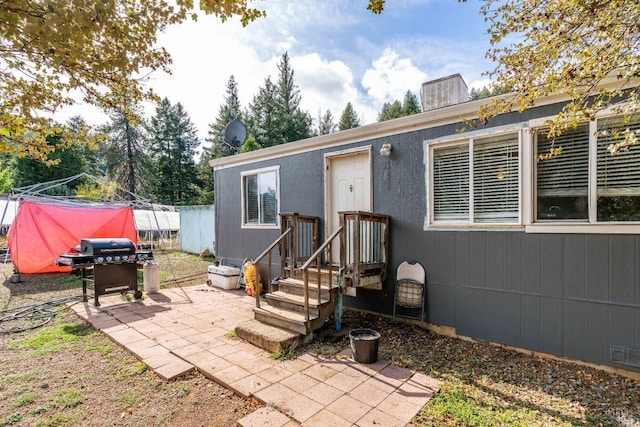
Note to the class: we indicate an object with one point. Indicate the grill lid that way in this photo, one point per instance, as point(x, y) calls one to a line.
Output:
point(107, 246)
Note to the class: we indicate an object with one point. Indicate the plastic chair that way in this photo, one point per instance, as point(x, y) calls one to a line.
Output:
point(410, 288)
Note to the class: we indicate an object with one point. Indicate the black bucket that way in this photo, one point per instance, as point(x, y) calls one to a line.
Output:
point(364, 345)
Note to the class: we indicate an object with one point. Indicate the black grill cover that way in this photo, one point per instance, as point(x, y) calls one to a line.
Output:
point(107, 246)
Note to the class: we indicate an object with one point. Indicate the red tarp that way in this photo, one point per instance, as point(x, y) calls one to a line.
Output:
point(41, 232)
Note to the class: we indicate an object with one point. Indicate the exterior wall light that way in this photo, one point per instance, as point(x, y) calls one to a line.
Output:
point(385, 150)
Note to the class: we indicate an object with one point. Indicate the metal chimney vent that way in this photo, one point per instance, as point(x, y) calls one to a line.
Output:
point(443, 92)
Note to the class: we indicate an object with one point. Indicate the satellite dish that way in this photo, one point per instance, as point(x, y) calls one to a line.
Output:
point(235, 133)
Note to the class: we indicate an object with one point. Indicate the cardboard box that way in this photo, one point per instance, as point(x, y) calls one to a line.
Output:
point(223, 276)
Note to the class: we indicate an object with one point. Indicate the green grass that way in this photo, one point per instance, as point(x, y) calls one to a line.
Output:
point(24, 399)
point(130, 368)
point(285, 353)
point(180, 391)
point(102, 349)
point(61, 419)
point(69, 398)
point(53, 338)
point(39, 410)
point(18, 378)
point(462, 404)
point(12, 419)
point(129, 398)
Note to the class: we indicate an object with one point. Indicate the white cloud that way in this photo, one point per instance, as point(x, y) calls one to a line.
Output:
point(324, 85)
point(391, 77)
point(339, 51)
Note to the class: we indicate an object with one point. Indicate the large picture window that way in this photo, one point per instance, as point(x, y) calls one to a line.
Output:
point(477, 181)
point(260, 197)
point(579, 179)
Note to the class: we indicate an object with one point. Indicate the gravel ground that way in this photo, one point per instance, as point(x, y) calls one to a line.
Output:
point(498, 386)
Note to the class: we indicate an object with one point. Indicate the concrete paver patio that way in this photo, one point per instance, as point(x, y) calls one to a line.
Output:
point(178, 330)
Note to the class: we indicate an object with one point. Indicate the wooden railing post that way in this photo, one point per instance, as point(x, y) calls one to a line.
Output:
point(305, 277)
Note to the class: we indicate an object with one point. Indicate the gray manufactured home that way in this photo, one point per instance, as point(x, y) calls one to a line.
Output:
point(526, 241)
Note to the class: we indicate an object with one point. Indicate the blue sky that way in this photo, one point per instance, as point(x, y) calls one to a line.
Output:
point(340, 53)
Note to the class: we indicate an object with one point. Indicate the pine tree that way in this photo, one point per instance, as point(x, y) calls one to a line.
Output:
point(348, 118)
point(173, 141)
point(125, 153)
point(295, 124)
point(325, 124)
point(61, 163)
point(275, 116)
point(229, 111)
point(262, 117)
point(7, 169)
point(410, 105)
point(78, 126)
point(390, 111)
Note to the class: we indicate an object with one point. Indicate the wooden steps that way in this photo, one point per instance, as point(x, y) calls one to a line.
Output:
point(285, 309)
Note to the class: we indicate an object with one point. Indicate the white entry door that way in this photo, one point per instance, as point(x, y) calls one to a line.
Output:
point(349, 188)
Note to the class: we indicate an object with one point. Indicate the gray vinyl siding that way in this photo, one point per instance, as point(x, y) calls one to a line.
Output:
point(570, 295)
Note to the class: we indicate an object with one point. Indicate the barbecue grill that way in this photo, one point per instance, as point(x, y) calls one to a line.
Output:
point(111, 264)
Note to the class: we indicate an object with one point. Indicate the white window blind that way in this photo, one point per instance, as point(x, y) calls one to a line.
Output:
point(562, 174)
point(618, 174)
point(451, 183)
point(261, 198)
point(495, 179)
point(251, 199)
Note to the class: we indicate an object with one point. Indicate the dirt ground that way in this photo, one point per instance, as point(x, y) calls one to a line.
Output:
point(66, 373)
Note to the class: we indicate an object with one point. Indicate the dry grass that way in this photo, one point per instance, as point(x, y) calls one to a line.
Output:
point(66, 373)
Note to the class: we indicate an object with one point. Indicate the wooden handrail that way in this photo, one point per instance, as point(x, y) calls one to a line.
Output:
point(262, 255)
point(305, 270)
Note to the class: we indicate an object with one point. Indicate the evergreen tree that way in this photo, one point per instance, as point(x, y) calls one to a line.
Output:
point(205, 176)
point(62, 163)
point(325, 124)
point(390, 111)
point(78, 126)
point(485, 93)
point(227, 112)
point(348, 118)
point(216, 148)
point(262, 118)
point(125, 153)
point(294, 123)
point(173, 141)
point(249, 145)
point(410, 105)
point(275, 115)
point(7, 169)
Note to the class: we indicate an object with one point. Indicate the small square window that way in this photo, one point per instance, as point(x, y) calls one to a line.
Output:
point(260, 197)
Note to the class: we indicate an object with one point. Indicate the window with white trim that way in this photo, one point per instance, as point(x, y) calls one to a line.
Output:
point(260, 197)
point(562, 171)
point(477, 181)
point(618, 178)
point(578, 179)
